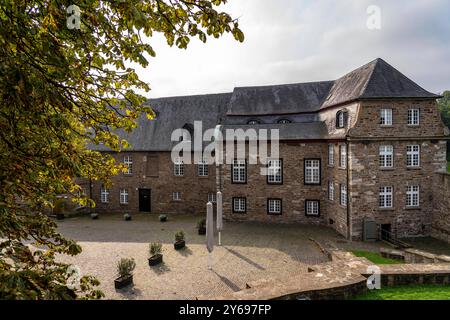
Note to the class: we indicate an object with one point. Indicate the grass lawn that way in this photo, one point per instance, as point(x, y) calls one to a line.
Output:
point(418, 292)
point(375, 257)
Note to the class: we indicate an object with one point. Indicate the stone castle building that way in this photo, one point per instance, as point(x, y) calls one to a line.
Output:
point(357, 153)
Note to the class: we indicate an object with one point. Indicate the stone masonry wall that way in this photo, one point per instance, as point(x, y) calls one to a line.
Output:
point(155, 171)
point(367, 177)
point(293, 191)
point(441, 214)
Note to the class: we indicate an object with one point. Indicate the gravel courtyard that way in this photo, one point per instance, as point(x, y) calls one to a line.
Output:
point(249, 251)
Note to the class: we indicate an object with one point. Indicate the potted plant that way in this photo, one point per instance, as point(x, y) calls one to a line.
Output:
point(155, 254)
point(127, 217)
point(201, 226)
point(162, 218)
point(94, 216)
point(125, 269)
point(179, 240)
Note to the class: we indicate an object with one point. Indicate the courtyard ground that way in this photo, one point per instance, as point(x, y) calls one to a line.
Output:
point(250, 251)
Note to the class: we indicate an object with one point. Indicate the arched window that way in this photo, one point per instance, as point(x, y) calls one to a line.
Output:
point(253, 122)
point(284, 121)
point(341, 119)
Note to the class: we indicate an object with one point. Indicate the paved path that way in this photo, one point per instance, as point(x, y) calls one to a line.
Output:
point(250, 252)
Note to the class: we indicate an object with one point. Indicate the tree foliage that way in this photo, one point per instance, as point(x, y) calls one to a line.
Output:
point(444, 107)
point(61, 89)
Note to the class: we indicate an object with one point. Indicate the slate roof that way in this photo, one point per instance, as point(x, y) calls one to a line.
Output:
point(173, 113)
point(375, 80)
point(290, 131)
point(279, 99)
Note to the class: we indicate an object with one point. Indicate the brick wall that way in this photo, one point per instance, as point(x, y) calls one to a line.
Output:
point(441, 214)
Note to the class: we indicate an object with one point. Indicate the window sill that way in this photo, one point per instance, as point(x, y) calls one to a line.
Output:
point(386, 125)
point(342, 168)
point(413, 168)
point(203, 177)
point(413, 208)
point(274, 214)
point(413, 125)
point(312, 215)
point(386, 209)
point(342, 206)
point(274, 183)
point(387, 169)
point(331, 166)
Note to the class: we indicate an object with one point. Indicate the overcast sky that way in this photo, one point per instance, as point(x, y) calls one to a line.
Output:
point(289, 41)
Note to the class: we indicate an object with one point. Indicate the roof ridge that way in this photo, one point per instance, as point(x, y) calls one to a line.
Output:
point(284, 84)
point(375, 62)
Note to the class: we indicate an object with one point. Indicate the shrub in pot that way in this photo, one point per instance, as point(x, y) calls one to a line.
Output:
point(125, 269)
point(127, 217)
point(156, 256)
point(94, 216)
point(179, 240)
point(162, 218)
point(201, 226)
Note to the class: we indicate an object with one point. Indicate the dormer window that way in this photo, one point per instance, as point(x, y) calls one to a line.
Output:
point(253, 122)
point(341, 119)
point(284, 121)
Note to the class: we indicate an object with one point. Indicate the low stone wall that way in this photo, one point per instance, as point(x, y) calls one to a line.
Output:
point(414, 256)
point(440, 228)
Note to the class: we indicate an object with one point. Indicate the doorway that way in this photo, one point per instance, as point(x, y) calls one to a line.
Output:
point(386, 232)
point(144, 200)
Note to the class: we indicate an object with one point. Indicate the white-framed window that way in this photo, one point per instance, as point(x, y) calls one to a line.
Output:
point(413, 117)
point(104, 195)
point(312, 207)
point(312, 171)
point(176, 196)
point(212, 197)
point(128, 162)
point(331, 190)
point(341, 119)
point(386, 156)
point(275, 172)
point(343, 156)
point(331, 155)
point(239, 205)
point(386, 117)
point(178, 168)
point(413, 156)
point(284, 121)
point(274, 206)
point(385, 197)
point(123, 196)
point(412, 196)
point(343, 195)
point(202, 168)
point(239, 174)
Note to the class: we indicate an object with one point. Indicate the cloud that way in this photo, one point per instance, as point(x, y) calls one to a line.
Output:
point(290, 41)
